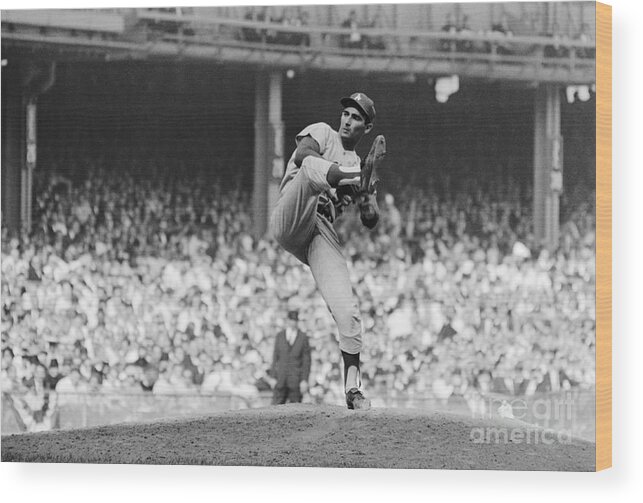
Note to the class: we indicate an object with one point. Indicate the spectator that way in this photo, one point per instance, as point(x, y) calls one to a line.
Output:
point(37, 406)
point(252, 34)
point(53, 376)
point(502, 31)
point(291, 362)
point(72, 383)
point(583, 36)
point(465, 30)
point(297, 18)
point(449, 26)
point(353, 40)
point(303, 21)
point(557, 49)
point(162, 385)
point(287, 19)
point(376, 42)
point(211, 379)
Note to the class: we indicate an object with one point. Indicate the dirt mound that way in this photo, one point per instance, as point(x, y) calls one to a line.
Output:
point(311, 435)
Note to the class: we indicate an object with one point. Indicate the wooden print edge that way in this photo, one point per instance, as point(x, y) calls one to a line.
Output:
point(603, 236)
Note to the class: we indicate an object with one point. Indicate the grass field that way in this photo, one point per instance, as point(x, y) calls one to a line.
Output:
point(312, 435)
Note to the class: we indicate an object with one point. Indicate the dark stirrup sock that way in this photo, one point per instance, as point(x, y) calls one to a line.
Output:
point(343, 175)
point(349, 361)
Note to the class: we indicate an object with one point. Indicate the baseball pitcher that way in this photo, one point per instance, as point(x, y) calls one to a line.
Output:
point(322, 177)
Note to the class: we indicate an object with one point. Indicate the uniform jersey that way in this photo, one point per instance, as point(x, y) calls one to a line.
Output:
point(330, 147)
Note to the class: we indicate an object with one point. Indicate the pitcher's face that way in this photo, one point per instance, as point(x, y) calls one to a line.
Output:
point(353, 125)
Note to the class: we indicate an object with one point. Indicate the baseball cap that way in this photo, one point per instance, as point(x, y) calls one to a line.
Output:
point(363, 103)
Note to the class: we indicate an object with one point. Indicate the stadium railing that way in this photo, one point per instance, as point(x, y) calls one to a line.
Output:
point(423, 44)
point(79, 410)
point(568, 411)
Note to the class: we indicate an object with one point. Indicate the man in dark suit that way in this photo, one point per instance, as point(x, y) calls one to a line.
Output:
point(290, 362)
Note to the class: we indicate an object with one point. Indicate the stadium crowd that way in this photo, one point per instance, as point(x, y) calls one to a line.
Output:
point(136, 282)
point(289, 17)
point(498, 33)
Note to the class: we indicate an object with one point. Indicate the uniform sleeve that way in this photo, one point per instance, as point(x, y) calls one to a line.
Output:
point(320, 132)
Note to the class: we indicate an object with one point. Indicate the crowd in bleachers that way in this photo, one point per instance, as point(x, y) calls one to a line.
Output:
point(499, 39)
point(139, 282)
point(497, 36)
point(290, 17)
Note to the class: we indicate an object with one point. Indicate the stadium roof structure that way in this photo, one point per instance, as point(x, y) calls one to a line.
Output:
point(145, 34)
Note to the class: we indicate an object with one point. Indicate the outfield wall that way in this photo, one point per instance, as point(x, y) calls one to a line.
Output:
point(571, 411)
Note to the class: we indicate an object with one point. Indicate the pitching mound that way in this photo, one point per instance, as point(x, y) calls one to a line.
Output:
point(311, 435)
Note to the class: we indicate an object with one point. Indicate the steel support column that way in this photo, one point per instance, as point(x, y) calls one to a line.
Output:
point(269, 148)
point(548, 165)
point(12, 147)
point(25, 81)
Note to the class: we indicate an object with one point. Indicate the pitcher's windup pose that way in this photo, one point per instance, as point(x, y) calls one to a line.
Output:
point(323, 176)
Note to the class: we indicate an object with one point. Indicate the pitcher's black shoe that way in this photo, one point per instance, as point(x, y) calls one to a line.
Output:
point(355, 399)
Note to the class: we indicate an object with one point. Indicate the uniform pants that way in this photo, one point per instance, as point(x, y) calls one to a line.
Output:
point(281, 394)
point(300, 230)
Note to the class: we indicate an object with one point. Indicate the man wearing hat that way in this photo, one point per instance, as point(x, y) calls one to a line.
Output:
point(290, 362)
point(322, 177)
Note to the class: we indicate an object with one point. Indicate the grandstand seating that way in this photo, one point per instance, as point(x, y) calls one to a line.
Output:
point(398, 47)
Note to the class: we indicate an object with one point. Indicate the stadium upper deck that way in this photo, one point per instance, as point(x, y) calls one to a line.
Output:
point(525, 42)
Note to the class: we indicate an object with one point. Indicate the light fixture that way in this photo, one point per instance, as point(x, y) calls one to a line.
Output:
point(570, 93)
point(583, 93)
point(445, 87)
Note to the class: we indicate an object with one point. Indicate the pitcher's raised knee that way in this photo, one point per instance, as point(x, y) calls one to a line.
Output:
point(314, 171)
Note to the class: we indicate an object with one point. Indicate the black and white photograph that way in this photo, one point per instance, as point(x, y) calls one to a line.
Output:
point(348, 236)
